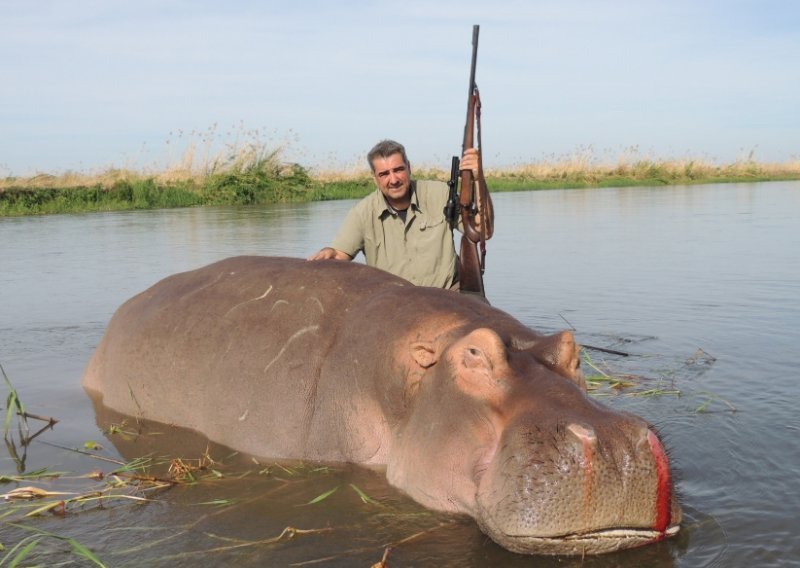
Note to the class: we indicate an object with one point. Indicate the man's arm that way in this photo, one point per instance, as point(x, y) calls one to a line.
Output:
point(330, 253)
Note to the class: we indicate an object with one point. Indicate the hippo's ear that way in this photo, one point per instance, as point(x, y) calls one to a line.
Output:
point(424, 353)
point(560, 352)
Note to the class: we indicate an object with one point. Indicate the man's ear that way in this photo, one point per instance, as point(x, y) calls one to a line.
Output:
point(424, 353)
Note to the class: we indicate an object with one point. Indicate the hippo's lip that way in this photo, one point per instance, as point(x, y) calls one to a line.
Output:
point(595, 542)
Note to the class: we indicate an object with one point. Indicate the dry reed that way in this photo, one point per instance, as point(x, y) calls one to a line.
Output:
point(194, 156)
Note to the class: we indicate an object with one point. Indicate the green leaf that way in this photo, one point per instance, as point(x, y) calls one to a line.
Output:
point(322, 497)
point(20, 556)
point(81, 550)
point(217, 502)
point(364, 497)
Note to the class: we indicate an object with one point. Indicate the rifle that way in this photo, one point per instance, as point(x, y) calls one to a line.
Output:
point(475, 203)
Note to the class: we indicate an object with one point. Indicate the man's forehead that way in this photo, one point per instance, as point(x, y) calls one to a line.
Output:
point(390, 162)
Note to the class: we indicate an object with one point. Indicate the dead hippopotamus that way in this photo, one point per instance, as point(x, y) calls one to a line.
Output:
point(469, 410)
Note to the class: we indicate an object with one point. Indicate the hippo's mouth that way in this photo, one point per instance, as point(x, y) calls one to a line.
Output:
point(595, 542)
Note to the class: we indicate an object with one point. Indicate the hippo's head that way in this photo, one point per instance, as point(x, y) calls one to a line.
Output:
point(501, 428)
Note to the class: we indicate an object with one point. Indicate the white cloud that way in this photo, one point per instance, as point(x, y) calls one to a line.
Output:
point(89, 82)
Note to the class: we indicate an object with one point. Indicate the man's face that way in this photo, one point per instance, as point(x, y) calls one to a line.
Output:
point(393, 177)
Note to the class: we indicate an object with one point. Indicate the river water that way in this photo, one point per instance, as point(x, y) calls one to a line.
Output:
point(699, 285)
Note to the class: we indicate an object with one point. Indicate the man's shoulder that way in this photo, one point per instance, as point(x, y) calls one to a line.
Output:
point(370, 203)
point(431, 185)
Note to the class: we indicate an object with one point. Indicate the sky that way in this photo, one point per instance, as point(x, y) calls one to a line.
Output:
point(88, 85)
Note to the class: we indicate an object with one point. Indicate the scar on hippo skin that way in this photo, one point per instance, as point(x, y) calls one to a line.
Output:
point(240, 304)
point(468, 410)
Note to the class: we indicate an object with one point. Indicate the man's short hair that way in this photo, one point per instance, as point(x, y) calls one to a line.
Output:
point(384, 149)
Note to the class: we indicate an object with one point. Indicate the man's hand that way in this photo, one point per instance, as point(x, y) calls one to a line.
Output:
point(329, 253)
point(470, 161)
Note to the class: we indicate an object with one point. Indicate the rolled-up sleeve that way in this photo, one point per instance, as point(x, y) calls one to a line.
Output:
point(350, 238)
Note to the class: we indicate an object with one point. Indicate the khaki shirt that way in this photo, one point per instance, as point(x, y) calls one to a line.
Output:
point(420, 250)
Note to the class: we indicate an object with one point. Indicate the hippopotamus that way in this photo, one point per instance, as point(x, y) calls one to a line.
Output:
point(468, 410)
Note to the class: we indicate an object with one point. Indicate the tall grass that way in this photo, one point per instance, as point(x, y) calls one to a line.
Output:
point(585, 168)
point(252, 170)
point(588, 168)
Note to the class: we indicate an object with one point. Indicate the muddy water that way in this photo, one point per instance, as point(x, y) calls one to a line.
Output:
point(699, 285)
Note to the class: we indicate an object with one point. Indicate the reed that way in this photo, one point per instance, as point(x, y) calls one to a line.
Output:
point(586, 168)
point(251, 169)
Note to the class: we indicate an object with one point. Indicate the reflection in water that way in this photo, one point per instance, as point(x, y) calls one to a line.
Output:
point(658, 272)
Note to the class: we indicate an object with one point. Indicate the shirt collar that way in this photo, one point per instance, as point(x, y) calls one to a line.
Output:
point(389, 210)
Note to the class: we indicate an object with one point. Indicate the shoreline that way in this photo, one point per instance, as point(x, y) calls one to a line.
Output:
point(270, 181)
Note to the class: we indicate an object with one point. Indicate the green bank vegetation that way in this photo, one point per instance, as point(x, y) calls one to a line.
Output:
point(252, 173)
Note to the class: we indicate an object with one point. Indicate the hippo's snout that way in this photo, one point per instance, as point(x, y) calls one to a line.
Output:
point(578, 488)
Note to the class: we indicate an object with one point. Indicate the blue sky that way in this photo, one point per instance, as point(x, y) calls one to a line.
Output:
point(92, 84)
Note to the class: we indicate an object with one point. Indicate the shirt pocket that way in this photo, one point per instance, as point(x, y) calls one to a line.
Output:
point(432, 237)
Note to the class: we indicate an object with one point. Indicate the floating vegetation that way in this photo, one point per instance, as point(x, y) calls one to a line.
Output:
point(604, 381)
point(28, 545)
point(607, 377)
point(38, 474)
point(364, 497)
point(191, 470)
point(195, 489)
point(711, 398)
point(322, 497)
point(140, 481)
point(144, 480)
point(15, 409)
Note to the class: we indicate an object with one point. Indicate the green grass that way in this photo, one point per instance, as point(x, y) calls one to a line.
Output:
point(250, 173)
point(239, 188)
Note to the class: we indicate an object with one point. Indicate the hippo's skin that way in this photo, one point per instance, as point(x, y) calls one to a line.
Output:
point(469, 410)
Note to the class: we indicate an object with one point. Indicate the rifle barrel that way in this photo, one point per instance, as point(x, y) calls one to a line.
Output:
point(475, 29)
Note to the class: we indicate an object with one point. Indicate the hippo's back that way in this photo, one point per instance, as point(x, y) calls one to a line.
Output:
point(224, 344)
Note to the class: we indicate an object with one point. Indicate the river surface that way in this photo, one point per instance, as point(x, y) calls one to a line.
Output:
point(699, 285)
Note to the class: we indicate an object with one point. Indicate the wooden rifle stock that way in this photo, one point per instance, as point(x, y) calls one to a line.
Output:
point(477, 213)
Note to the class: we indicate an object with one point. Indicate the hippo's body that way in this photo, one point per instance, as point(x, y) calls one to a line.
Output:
point(470, 411)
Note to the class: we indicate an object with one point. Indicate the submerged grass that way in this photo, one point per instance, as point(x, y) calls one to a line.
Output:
point(252, 171)
point(147, 479)
point(138, 481)
point(14, 407)
point(21, 552)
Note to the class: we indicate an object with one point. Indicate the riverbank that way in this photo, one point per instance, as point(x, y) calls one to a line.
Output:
point(269, 180)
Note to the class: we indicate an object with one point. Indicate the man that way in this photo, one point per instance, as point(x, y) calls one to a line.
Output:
point(401, 227)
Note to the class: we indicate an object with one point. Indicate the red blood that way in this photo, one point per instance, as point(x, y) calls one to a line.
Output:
point(664, 487)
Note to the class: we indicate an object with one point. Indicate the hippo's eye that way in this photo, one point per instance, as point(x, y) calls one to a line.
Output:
point(475, 358)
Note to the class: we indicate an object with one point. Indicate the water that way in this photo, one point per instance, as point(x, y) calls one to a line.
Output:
point(701, 285)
